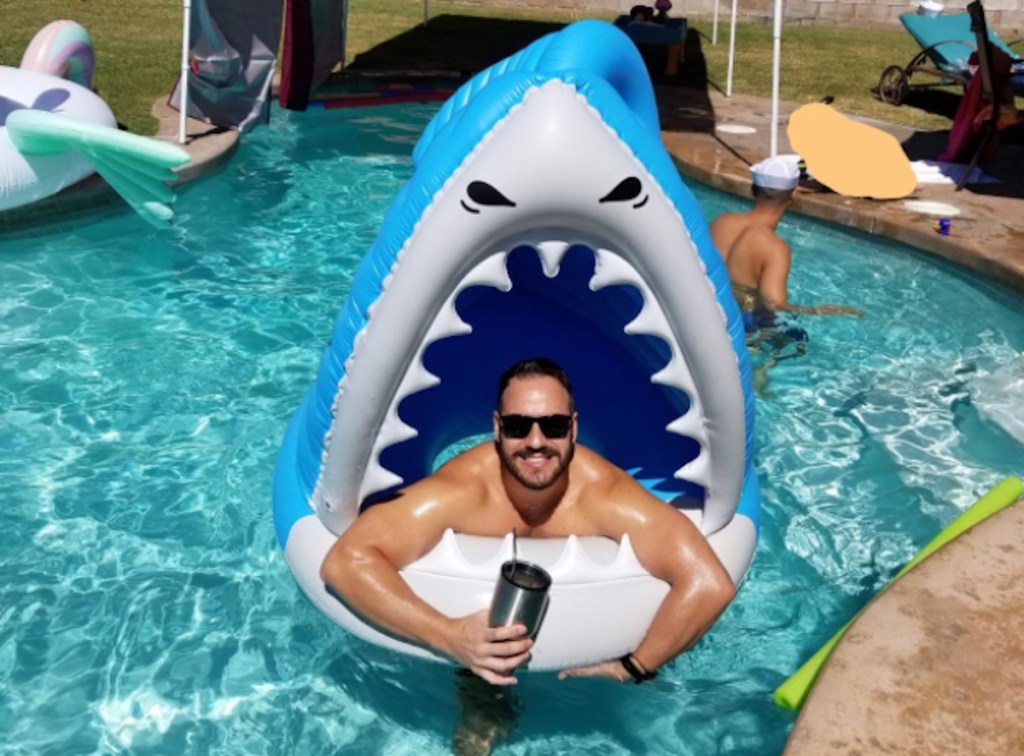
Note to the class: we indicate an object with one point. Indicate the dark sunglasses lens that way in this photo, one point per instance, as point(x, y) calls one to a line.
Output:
point(552, 426)
point(555, 426)
point(516, 426)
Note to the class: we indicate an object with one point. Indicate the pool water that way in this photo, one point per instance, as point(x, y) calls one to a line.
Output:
point(146, 380)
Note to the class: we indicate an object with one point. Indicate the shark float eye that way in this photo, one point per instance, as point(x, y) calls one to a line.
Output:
point(483, 193)
point(627, 190)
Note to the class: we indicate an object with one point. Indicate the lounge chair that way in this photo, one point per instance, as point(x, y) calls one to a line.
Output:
point(946, 44)
point(989, 96)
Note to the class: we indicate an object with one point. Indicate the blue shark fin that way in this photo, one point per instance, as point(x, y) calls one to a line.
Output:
point(135, 166)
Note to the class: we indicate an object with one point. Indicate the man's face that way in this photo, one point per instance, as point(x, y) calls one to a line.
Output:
point(536, 461)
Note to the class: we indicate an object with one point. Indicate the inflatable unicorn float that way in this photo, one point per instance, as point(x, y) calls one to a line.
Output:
point(544, 217)
point(55, 131)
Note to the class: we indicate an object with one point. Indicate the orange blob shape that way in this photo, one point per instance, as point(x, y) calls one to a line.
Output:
point(850, 158)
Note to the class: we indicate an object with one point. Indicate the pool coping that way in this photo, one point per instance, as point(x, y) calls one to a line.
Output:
point(987, 237)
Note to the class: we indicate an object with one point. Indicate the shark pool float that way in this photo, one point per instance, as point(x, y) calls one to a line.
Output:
point(55, 131)
point(544, 218)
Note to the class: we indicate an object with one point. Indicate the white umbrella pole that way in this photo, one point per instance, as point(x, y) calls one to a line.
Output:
point(426, 11)
point(344, 32)
point(776, 65)
point(732, 50)
point(183, 104)
point(714, 25)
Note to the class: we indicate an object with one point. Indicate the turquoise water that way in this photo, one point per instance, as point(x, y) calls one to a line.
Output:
point(145, 383)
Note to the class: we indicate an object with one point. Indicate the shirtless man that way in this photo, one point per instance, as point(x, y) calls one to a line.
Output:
point(758, 260)
point(533, 478)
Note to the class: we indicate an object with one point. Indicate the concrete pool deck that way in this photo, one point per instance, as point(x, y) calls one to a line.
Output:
point(935, 664)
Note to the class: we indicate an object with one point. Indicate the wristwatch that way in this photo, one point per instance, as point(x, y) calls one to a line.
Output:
point(636, 670)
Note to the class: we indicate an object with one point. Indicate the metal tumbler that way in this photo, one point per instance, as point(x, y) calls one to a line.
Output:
point(521, 596)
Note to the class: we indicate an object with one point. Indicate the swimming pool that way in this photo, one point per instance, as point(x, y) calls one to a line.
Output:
point(145, 384)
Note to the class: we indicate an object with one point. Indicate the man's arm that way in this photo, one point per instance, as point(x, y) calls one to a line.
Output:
point(362, 567)
point(776, 259)
point(671, 548)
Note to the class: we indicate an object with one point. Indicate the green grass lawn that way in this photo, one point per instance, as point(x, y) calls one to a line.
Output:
point(137, 45)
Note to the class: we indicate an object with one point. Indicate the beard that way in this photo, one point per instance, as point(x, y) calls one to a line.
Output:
point(536, 480)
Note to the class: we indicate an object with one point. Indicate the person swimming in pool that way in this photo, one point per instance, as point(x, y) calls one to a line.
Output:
point(757, 258)
point(533, 478)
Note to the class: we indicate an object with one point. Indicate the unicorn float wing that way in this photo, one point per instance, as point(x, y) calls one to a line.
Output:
point(54, 131)
point(135, 166)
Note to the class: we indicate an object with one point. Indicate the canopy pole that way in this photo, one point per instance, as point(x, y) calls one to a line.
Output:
point(776, 65)
point(732, 50)
point(426, 11)
point(186, 33)
point(344, 32)
point(714, 25)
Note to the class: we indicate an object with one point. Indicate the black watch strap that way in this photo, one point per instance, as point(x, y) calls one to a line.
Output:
point(638, 675)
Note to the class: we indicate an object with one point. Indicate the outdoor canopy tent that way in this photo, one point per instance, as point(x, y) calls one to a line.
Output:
point(229, 50)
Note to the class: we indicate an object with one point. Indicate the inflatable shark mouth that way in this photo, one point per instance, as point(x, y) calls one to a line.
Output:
point(582, 302)
point(552, 236)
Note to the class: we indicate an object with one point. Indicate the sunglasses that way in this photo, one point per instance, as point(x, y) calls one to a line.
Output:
point(552, 426)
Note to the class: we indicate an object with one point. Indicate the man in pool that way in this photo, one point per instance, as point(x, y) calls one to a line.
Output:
point(757, 258)
point(536, 479)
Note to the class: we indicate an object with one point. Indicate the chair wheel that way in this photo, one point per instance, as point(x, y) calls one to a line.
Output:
point(892, 86)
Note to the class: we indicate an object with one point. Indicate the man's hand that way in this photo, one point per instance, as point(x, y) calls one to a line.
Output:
point(613, 670)
point(491, 653)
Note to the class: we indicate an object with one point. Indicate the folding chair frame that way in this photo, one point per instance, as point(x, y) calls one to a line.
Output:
point(980, 28)
point(894, 82)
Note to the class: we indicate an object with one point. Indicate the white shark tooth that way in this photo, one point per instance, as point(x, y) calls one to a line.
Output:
point(447, 323)
point(572, 558)
point(691, 424)
point(551, 254)
point(626, 564)
point(491, 272)
point(443, 556)
point(394, 430)
point(651, 321)
point(611, 270)
point(377, 479)
point(417, 378)
point(697, 470)
point(676, 374)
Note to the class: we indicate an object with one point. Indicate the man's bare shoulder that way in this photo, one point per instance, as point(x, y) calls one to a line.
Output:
point(475, 465)
point(602, 483)
point(725, 220)
point(725, 228)
point(758, 239)
point(449, 498)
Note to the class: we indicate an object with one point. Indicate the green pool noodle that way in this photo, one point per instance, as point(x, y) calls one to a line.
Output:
point(793, 692)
